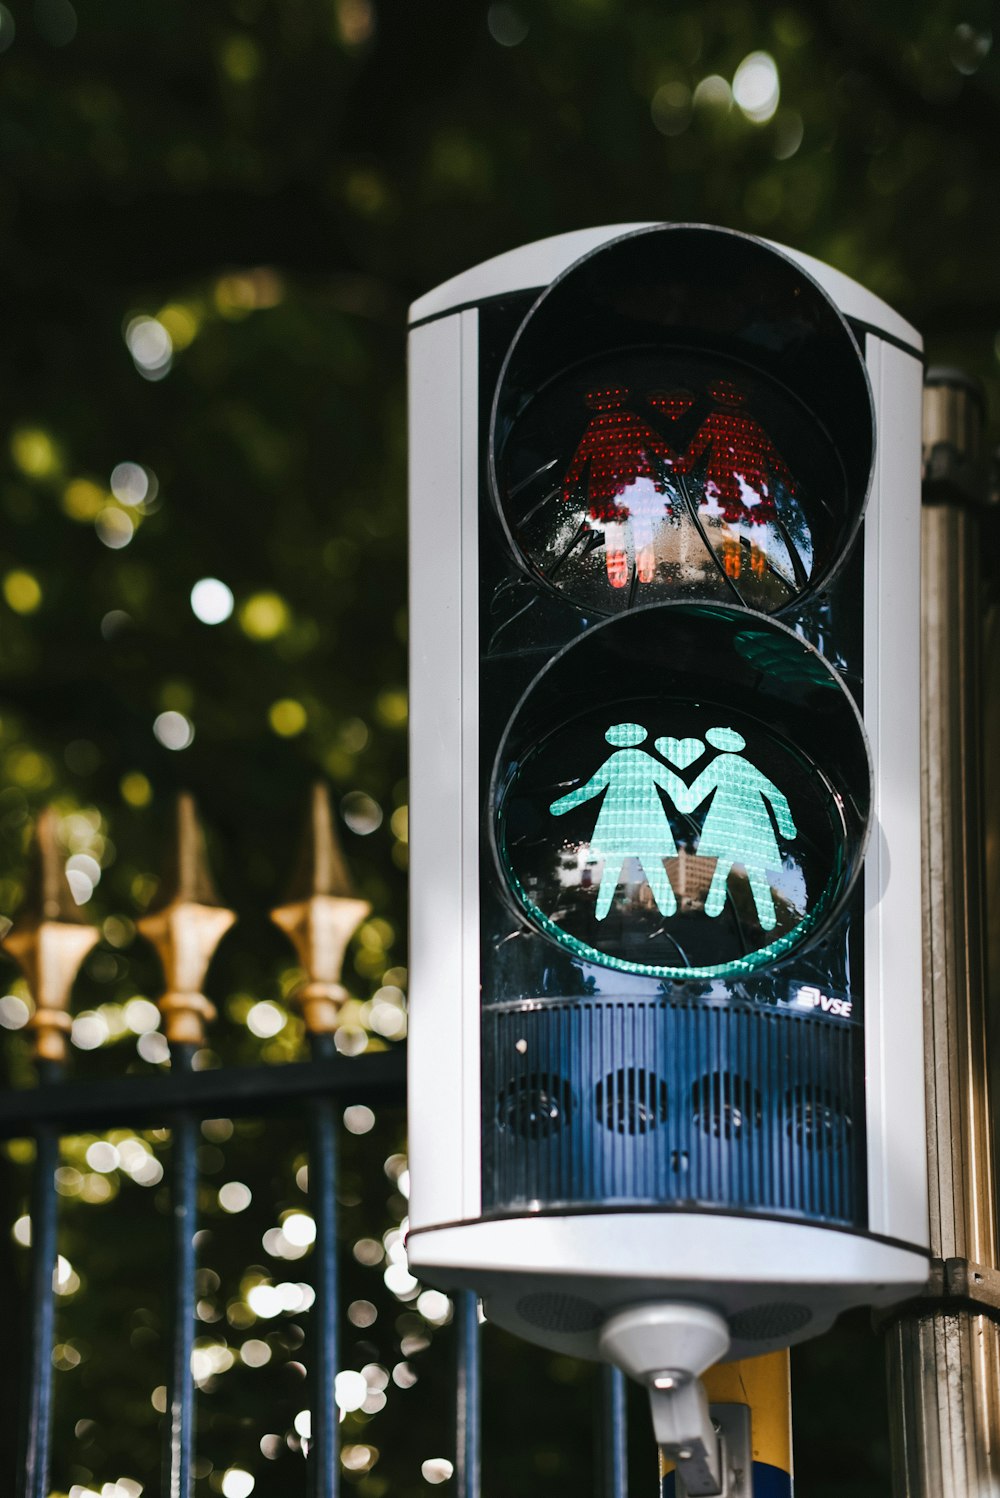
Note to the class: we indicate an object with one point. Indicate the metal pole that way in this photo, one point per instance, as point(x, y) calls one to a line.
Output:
point(467, 1395)
point(185, 928)
point(49, 942)
point(614, 1434)
point(324, 1456)
point(943, 1351)
point(320, 918)
point(179, 1447)
point(34, 1475)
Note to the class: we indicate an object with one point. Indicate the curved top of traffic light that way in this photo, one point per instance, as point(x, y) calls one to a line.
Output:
point(684, 413)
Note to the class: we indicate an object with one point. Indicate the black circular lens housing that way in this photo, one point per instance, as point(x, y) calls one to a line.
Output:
point(683, 792)
point(683, 413)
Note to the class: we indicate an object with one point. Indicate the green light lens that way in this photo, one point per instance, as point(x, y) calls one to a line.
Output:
point(656, 833)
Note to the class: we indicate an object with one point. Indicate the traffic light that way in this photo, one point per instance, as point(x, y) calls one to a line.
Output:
point(666, 1036)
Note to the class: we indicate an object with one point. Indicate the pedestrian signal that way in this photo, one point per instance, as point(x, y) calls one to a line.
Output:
point(706, 837)
point(645, 450)
point(666, 1032)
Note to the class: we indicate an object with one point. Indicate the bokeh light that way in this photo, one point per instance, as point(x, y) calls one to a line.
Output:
point(264, 616)
point(361, 812)
point(14, 1012)
point(287, 717)
point(211, 601)
point(255, 1353)
point(131, 484)
point(756, 87)
point(83, 500)
point(34, 452)
point(358, 1119)
point(266, 1019)
point(436, 1469)
point(712, 93)
point(174, 730)
point(141, 1016)
point(299, 1228)
point(237, 1483)
point(136, 789)
point(506, 25)
point(22, 591)
point(150, 345)
point(350, 1390)
point(114, 527)
point(234, 1196)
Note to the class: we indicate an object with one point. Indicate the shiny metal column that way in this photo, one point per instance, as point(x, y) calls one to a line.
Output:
point(943, 1351)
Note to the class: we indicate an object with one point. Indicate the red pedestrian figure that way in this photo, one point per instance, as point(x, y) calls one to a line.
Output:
point(744, 466)
point(621, 456)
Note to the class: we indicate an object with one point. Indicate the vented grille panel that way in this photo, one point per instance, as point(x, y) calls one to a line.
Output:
point(765, 1323)
point(560, 1313)
point(750, 1109)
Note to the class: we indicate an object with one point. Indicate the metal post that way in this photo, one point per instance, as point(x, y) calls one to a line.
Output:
point(614, 1434)
point(943, 1352)
point(320, 917)
point(34, 1475)
point(324, 1455)
point(185, 928)
point(467, 1395)
point(49, 942)
point(179, 1445)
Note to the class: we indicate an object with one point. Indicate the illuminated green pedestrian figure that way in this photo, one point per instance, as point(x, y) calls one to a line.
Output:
point(738, 828)
point(632, 822)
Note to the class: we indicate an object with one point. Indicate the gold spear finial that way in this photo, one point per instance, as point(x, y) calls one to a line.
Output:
point(185, 927)
point(49, 940)
point(321, 916)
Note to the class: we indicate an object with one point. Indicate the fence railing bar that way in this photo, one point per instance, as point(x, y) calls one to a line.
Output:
point(468, 1396)
point(33, 1476)
point(614, 1434)
point(324, 1454)
point(179, 1432)
point(146, 1102)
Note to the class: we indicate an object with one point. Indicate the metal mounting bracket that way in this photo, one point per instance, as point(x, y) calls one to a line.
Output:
point(732, 1423)
point(954, 1285)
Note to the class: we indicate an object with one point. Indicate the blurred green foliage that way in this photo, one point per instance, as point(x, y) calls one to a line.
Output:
point(212, 218)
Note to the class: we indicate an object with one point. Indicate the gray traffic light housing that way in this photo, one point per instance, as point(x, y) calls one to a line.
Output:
point(666, 1035)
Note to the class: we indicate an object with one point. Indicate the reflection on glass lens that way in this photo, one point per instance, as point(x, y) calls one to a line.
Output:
point(669, 477)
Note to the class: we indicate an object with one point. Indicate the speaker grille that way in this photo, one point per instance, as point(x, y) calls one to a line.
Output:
point(817, 1118)
point(763, 1323)
point(725, 1105)
point(610, 1101)
point(631, 1100)
point(534, 1106)
point(560, 1313)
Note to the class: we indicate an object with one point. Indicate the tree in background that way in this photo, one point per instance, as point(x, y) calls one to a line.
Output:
point(212, 218)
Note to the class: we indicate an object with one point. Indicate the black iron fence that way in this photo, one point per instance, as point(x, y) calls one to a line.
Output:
point(49, 941)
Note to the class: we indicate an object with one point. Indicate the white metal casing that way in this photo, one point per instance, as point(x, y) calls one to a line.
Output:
point(609, 1259)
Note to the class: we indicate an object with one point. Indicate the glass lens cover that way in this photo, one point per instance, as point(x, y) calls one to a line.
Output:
point(681, 795)
point(659, 474)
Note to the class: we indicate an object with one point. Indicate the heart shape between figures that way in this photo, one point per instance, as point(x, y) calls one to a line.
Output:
point(681, 752)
